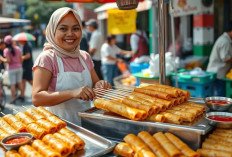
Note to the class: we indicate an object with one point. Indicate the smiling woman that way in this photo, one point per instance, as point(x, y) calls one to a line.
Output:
point(63, 74)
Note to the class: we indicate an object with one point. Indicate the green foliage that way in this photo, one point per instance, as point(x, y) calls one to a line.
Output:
point(43, 9)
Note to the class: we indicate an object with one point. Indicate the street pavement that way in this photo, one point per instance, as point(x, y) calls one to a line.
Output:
point(20, 106)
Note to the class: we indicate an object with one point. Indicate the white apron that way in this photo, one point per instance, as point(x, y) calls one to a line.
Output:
point(69, 80)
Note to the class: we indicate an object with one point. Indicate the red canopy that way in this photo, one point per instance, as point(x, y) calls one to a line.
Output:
point(92, 1)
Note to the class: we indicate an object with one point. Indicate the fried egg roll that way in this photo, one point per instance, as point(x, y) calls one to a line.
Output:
point(224, 130)
point(24, 118)
point(193, 104)
point(172, 118)
point(12, 153)
point(172, 92)
point(70, 143)
point(135, 142)
point(213, 153)
point(217, 147)
point(222, 142)
point(56, 144)
point(41, 110)
point(153, 144)
point(187, 109)
point(121, 109)
point(138, 105)
point(9, 118)
point(124, 149)
point(170, 88)
point(154, 93)
point(187, 117)
point(6, 127)
point(167, 144)
point(3, 134)
point(19, 126)
point(219, 137)
point(69, 134)
point(34, 114)
point(15, 123)
point(186, 93)
point(184, 148)
point(156, 101)
point(156, 118)
point(145, 153)
point(57, 121)
point(145, 102)
point(28, 151)
point(228, 135)
point(37, 131)
point(44, 149)
point(47, 125)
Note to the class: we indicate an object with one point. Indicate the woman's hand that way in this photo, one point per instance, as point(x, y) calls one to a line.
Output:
point(83, 93)
point(102, 84)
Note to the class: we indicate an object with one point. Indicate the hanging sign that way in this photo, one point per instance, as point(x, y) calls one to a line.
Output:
point(121, 21)
point(189, 7)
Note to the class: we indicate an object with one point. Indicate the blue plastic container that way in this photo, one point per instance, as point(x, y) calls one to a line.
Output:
point(138, 67)
point(196, 90)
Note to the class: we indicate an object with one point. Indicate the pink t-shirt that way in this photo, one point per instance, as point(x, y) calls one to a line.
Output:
point(48, 60)
point(15, 61)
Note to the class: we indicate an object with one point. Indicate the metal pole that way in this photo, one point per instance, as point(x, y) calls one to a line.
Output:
point(162, 24)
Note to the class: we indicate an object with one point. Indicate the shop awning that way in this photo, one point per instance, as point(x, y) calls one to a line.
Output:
point(102, 14)
point(13, 22)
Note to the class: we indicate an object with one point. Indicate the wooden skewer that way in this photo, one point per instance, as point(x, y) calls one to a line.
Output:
point(121, 90)
point(15, 110)
point(112, 92)
point(109, 95)
point(3, 113)
point(25, 107)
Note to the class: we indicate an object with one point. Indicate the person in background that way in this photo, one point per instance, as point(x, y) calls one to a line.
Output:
point(95, 43)
point(84, 45)
point(138, 46)
point(13, 58)
point(2, 47)
point(64, 75)
point(220, 60)
point(27, 66)
point(109, 52)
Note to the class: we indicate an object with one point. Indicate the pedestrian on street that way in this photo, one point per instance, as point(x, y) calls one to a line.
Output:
point(109, 52)
point(64, 75)
point(13, 58)
point(95, 44)
point(2, 47)
point(27, 66)
point(139, 42)
point(220, 60)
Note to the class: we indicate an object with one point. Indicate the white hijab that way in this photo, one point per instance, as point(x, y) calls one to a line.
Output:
point(50, 33)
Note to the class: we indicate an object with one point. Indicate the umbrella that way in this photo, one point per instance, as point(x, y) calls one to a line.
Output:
point(24, 37)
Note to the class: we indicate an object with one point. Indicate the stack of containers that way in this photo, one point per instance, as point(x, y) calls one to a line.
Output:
point(203, 32)
point(198, 86)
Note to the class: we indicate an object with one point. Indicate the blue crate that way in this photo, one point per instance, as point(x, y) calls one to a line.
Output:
point(138, 67)
point(196, 90)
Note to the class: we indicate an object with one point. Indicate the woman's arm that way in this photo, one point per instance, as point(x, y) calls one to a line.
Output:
point(42, 97)
point(27, 56)
point(6, 59)
point(97, 83)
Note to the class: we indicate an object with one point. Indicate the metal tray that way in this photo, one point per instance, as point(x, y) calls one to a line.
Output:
point(95, 145)
point(115, 127)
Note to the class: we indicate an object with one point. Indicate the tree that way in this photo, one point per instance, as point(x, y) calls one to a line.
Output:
point(39, 11)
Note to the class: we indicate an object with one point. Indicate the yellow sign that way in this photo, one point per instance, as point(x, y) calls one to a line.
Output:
point(121, 21)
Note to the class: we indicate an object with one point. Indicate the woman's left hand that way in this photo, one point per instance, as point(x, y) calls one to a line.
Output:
point(102, 84)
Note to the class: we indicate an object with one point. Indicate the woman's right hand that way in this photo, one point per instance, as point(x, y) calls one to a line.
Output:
point(83, 93)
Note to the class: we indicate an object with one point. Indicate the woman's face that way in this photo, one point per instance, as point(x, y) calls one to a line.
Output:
point(68, 32)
